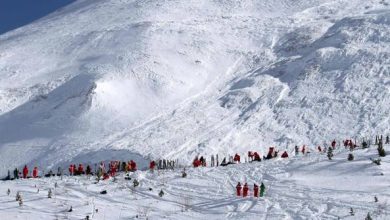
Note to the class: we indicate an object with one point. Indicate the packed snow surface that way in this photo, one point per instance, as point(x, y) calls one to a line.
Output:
point(173, 79)
point(304, 187)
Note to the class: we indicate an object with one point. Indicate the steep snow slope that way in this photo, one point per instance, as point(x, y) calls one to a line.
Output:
point(177, 78)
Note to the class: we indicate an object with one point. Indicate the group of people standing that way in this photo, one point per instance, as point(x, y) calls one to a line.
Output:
point(244, 190)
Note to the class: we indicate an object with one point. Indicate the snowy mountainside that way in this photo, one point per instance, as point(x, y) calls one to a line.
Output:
point(178, 78)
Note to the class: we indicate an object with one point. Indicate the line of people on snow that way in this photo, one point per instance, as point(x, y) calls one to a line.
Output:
point(244, 190)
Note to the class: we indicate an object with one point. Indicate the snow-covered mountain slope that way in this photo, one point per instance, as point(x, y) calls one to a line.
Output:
point(305, 187)
point(177, 78)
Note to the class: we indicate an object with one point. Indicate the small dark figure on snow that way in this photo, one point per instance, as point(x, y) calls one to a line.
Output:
point(70, 209)
point(352, 212)
point(262, 189)
point(135, 183)
point(381, 150)
point(350, 157)
point(368, 217)
point(183, 173)
point(296, 150)
point(330, 153)
point(364, 144)
point(376, 161)
point(16, 173)
point(49, 194)
point(18, 196)
point(161, 193)
point(376, 199)
point(104, 192)
point(8, 192)
point(387, 140)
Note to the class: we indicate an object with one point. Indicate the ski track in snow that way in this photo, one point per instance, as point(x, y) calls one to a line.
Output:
point(303, 187)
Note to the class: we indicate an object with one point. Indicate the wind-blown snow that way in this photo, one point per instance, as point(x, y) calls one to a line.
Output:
point(177, 78)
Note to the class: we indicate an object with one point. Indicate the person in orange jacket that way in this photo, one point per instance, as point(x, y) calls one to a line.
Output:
point(255, 190)
point(245, 190)
point(35, 172)
point(238, 189)
point(25, 171)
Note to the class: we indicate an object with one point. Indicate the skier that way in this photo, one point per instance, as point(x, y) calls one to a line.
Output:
point(262, 189)
point(285, 154)
point(152, 165)
point(25, 171)
point(255, 190)
point(245, 190)
point(237, 158)
point(238, 189)
point(35, 172)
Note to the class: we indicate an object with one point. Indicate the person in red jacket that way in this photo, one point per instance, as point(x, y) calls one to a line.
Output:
point(25, 171)
point(80, 170)
point(285, 154)
point(71, 170)
point(303, 149)
point(245, 190)
point(255, 190)
point(152, 165)
point(113, 167)
point(133, 165)
point(196, 162)
point(237, 158)
point(35, 172)
point(238, 189)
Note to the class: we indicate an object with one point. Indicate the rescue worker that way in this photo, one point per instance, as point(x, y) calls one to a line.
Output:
point(25, 171)
point(270, 153)
point(285, 154)
point(35, 172)
point(255, 190)
point(296, 150)
point(80, 169)
point(303, 149)
point(245, 190)
point(238, 189)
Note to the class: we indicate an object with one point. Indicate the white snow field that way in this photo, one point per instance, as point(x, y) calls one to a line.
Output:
point(102, 80)
point(304, 187)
